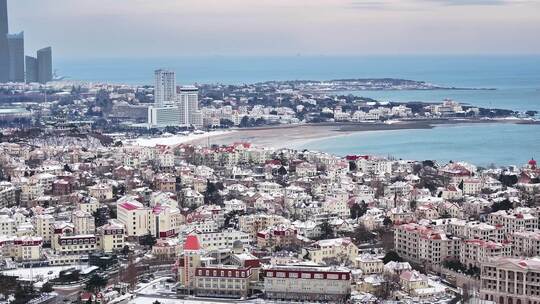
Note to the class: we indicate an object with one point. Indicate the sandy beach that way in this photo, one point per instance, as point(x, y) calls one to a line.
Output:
point(295, 136)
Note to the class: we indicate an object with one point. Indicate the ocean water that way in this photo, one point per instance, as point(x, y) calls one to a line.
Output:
point(515, 78)
point(481, 144)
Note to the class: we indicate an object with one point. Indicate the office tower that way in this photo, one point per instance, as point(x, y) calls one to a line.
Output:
point(16, 57)
point(164, 88)
point(44, 63)
point(189, 106)
point(4, 46)
point(31, 69)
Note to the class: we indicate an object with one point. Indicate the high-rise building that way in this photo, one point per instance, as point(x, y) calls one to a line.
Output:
point(4, 46)
point(16, 57)
point(164, 88)
point(189, 106)
point(31, 69)
point(44, 60)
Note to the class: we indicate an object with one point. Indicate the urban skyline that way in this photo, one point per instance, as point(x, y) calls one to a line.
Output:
point(12, 55)
point(259, 178)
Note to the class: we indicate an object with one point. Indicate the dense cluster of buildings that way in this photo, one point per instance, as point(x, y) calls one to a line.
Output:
point(237, 221)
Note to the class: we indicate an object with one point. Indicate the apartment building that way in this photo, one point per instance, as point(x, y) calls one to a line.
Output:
point(474, 252)
point(307, 283)
point(44, 226)
point(226, 281)
point(101, 191)
point(134, 216)
point(111, 236)
point(254, 223)
point(281, 235)
point(511, 281)
point(338, 249)
point(525, 243)
point(514, 220)
point(21, 249)
point(420, 243)
point(223, 239)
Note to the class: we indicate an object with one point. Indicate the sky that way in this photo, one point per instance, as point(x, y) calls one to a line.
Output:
point(166, 28)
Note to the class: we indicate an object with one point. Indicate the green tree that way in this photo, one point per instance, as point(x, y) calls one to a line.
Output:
point(47, 287)
point(357, 210)
point(147, 240)
point(392, 256)
point(362, 235)
point(387, 221)
point(326, 230)
point(96, 283)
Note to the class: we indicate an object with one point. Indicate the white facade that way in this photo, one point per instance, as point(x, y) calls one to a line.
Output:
point(188, 103)
point(164, 88)
point(163, 116)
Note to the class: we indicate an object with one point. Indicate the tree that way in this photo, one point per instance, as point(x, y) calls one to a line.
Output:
point(125, 250)
point(131, 273)
point(244, 123)
point(392, 256)
point(23, 294)
point(47, 287)
point(147, 240)
point(362, 235)
point(357, 210)
point(387, 221)
point(211, 195)
point(96, 283)
point(326, 230)
point(156, 302)
point(502, 205)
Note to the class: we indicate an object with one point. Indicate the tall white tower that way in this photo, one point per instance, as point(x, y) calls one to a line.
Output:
point(189, 105)
point(164, 88)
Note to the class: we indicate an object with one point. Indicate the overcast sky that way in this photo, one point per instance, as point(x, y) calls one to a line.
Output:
point(155, 28)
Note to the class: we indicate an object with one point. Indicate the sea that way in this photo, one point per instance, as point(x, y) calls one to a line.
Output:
point(514, 83)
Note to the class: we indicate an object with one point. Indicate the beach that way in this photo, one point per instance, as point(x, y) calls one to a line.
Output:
point(297, 136)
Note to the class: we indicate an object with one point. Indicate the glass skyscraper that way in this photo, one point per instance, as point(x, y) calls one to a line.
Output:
point(16, 57)
point(4, 45)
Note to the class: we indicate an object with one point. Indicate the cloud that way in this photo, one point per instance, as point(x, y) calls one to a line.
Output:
point(472, 2)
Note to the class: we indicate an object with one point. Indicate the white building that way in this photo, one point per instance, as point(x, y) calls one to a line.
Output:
point(188, 103)
point(163, 116)
point(307, 283)
point(164, 88)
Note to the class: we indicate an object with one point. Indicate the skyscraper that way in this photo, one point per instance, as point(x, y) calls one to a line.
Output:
point(164, 88)
point(31, 69)
point(4, 46)
point(44, 60)
point(16, 57)
point(189, 106)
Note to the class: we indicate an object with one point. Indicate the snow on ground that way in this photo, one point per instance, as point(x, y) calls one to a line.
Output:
point(177, 139)
point(154, 286)
point(39, 273)
point(151, 300)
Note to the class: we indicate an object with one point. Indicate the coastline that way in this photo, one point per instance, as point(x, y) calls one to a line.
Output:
point(295, 136)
